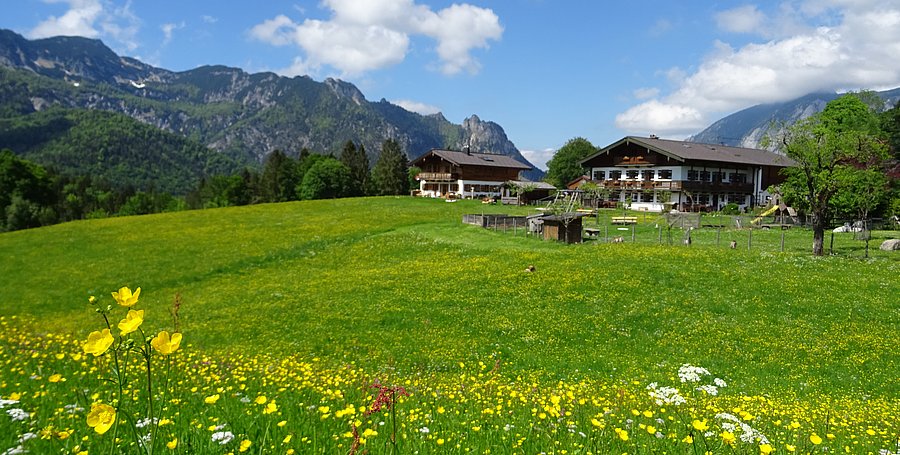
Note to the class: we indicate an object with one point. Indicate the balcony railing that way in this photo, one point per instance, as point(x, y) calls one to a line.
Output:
point(694, 185)
point(639, 185)
point(446, 176)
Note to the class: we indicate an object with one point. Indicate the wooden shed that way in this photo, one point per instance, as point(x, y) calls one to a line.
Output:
point(565, 227)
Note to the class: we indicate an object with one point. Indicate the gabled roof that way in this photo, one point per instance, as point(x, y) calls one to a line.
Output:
point(681, 151)
point(535, 185)
point(474, 159)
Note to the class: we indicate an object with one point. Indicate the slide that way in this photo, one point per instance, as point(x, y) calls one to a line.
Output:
point(764, 214)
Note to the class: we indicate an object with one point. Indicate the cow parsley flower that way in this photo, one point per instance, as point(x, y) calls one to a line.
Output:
point(222, 437)
point(17, 414)
point(690, 373)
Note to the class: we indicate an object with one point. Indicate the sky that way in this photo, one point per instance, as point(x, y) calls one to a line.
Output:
point(546, 71)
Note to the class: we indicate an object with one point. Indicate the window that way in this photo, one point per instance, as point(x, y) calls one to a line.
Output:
point(705, 176)
point(664, 174)
point(718, 176)
point(599, 175)
point(632, 174)
point(647, 174)
point(615, 175)
point(693, 175)
point(703, 199)
point(737, 178)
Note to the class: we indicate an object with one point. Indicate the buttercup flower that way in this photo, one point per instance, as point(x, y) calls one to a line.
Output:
point(98, 342)
point(165, 344)
point(132, 321)
point(101, 417)
point(125, 297)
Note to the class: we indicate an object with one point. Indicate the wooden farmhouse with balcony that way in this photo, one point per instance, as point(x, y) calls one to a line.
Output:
point(465, 174)
point(653, 173)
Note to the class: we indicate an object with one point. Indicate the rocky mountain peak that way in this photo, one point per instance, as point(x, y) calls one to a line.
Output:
point(345, 90)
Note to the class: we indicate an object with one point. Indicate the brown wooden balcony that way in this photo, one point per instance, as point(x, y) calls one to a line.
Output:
point(437, 176)
point(723, 187)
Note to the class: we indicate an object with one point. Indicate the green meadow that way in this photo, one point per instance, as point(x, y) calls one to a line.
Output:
point(398, 289)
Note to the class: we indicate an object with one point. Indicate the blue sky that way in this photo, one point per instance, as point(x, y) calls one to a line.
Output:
point(547, 71)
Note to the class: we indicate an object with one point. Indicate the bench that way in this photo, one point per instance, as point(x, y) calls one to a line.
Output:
point(624, 220)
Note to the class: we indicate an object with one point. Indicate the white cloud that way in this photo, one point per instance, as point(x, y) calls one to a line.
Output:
point(539, 158)
point(77, 21)
point(209, 19)
point(646, 93)
point(857, 52)
point(366, 35)
point(168, 30)
point(92, 19)
point(743, 19)
point(417, 107)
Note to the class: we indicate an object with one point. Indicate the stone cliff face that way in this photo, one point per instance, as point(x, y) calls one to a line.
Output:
point(246, 116)
point(748, 127)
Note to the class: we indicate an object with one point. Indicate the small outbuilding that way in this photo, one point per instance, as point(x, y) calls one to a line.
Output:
point(565, 227)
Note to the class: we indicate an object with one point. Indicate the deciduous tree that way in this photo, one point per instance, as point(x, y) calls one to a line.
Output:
point(565, 165)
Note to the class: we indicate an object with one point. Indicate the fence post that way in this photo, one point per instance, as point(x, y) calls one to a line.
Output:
point(782, 240)
point(718, 234)
point(831, 247)
point(606, 233)
point(632, 232)
point(659, 234)
point(515, 228)
point(750, 240)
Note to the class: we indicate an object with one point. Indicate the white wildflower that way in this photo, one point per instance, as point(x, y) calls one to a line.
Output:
point(690, 373)
point(5, 403)
point(665, 395)
point(15, 450)
point(748, 433)
point(709, 389)
point(26, 437)
point(719, 382)
point(424, 430)
point(17, 414)
point(222, 437)
point(147, 421)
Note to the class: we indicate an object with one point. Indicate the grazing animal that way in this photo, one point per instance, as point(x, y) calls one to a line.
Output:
point(618, 239)
point(530, 268)
point(733, 244)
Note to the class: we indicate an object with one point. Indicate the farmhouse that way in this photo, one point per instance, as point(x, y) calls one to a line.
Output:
point(465, 174)
point(653, 173)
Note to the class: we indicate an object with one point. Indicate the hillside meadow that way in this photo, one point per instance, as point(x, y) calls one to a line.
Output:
point(384, 324)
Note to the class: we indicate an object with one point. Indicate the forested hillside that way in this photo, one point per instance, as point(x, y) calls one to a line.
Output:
point(113, 147)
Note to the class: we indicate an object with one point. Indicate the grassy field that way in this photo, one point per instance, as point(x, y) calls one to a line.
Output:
point(310, 303)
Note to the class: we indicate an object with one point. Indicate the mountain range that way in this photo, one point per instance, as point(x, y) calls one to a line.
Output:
point(240, 116)
point(747, 127)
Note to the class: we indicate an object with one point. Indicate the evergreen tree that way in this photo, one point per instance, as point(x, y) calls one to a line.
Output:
point(356, 160)
point(279, 178)
point(390, 173)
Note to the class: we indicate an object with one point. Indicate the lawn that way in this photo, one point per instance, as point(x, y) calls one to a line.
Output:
point(309, 303)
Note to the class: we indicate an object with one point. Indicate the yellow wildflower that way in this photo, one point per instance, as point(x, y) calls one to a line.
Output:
point(766, 449)
point(286, 439)
point(55, 378)
point(101, 417)
point(212, 399)
point(125, 297)
point(651, 429)
point(98, 342)
point(132, 321)
point(172, 444)
point(369, 433)
point(245, 445)
point(166, 344)
point(815, 439)
point(728, 437)
point(261, 399)
point(700, 425)
point(623, 435)
point(688, 439)
point(270, 408)
point(790, 448)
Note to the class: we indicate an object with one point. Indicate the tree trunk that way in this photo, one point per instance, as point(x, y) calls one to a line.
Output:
point(819, 235)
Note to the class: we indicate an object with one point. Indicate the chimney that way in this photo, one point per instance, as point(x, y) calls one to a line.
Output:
point(653, 136)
